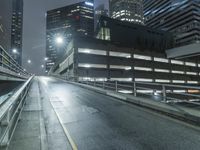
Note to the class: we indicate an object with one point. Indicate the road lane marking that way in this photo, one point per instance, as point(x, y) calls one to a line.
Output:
point(67, 134)
point(71, 141)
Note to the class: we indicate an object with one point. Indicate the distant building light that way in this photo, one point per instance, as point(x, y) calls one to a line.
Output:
point(89, 4)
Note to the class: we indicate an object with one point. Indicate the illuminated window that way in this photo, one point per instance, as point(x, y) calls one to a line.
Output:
point(120, 67)
point(143, 80)
point(162, 70)
point(143, 68)
point(190, 64)
point(83, 65)
point(91, 51)
point(136, 56)
point(192, 82)
point(177, 72)
point(178, 81)
point(162, 81)
point(122, 79)
point(191, 73)
point(161, 60)
point(177, 62)
point(104, 34)
point(119, 54)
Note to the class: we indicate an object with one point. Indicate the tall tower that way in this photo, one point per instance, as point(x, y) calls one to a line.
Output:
point(127, 10)
point(5, 24)
point(181, 17)
point(17, 29)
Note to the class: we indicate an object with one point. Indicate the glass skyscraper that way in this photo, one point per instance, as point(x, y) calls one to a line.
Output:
point(127, 10)
point(75, 19)
point(181, 17)
point(17, 30)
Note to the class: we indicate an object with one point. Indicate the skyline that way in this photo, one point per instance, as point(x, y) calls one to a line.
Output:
point(34, 31)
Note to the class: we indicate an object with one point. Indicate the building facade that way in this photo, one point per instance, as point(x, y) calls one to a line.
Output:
point(127, 10)
point(181, 17)
point(17, 30)
point(93, 59)
point(66, 22)
point(11, 26)
point(100, 11)
point(5, 24)
point(133, 35)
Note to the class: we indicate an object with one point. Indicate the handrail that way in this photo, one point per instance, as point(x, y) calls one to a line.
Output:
point(7, 62)
point(167, 92)
point(10, 112)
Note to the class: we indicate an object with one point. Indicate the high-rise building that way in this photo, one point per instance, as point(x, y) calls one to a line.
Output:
point(11, 23)
point(99, 11)
point(181, 17)
point(63, 23)
point(17, 29)
point(133, 35)
point(127, 10)
point(5, 23)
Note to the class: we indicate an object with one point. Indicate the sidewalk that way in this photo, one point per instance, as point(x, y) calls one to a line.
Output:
point(38, 128)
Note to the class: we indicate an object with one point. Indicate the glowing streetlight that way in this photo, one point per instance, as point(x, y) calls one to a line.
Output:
point(59, 40)
point(45, 59)
point(29, 61)
point(42, 66)
point(14, 51)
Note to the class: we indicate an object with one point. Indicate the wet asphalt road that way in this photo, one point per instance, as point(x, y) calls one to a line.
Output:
point(97, 122)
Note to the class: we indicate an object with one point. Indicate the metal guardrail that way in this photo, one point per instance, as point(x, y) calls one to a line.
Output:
point(9, 64)
point(164, 92)
point(167, 93)
point(10, 111)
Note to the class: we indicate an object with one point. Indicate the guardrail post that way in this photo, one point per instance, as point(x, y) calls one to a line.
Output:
point(134, 89)
point(4, 124)
point(116, 86)
point(164, 93)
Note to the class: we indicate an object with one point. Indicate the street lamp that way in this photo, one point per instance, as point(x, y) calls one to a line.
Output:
point(59, 40)
point(29, 61)
point(45, 59)
point(14, 51)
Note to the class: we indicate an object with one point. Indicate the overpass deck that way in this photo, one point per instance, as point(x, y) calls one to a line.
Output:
point(58, 115)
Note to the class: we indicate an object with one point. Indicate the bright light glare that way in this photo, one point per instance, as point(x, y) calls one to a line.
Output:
point(87, 66)
point(14, 51)
point(128, 68)
point(45, 58)
point(29, 61)
point(59, 40)
point(89, 3)
point(42, 66)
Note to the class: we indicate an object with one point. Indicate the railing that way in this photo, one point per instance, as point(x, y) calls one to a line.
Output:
point(10, 111)
point(167, 93)
point(161, 92)
point(9, 66)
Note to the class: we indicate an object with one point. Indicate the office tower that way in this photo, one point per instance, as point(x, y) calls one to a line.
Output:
point(181, 17)
point(5, 23)
point(127, 10)
point(65, 22)
point(17, 30)
point(99, 11)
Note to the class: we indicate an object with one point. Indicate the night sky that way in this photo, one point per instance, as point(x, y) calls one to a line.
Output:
point(34, 30)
